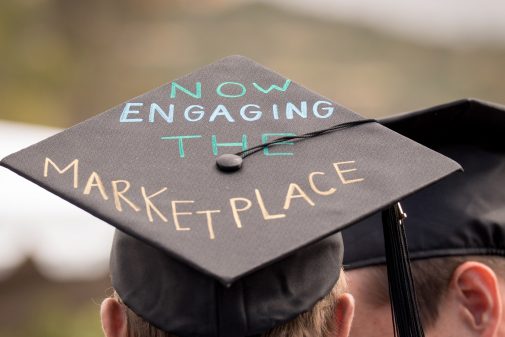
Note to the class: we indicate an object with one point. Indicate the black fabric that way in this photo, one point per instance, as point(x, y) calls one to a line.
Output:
point(465, 213)
point(188, 303)
point(405, 313)
point(148, 167)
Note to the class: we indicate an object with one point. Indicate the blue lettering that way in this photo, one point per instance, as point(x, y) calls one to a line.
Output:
point(221, 110)
point(328, 109)
point(155, 108)
point(302, 111)
point(256, 113)
point(127, 110)
point(198, 113)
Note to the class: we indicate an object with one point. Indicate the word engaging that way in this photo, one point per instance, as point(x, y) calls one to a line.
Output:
point(153, 112)
point(137, 112)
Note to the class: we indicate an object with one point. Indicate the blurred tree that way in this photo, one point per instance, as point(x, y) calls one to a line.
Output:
point(64, 61)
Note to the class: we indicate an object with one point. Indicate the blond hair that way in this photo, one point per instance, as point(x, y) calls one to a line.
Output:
point(320, 321)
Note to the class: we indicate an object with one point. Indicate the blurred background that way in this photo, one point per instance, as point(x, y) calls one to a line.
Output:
point(64, 61)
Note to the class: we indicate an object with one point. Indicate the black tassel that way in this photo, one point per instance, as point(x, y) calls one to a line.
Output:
point(406, 318)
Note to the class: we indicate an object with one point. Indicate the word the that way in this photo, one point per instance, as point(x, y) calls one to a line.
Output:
point(241, 145)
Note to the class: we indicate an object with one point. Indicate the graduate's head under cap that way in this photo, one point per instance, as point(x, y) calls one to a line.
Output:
point(200, 250)
point(465, 213)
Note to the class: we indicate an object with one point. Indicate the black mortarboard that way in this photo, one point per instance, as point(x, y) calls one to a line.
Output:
point(205, 252)
point(465, 213)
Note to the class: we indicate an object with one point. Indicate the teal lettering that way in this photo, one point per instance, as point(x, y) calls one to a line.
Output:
point(220, 92)
point(216, 145)
point(272, 87)
point(266, 150)
point(181, 144)
point(196, 94)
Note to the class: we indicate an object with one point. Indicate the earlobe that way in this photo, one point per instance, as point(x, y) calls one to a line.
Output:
point(344, 314)
point(477, 290)
point(114, 322)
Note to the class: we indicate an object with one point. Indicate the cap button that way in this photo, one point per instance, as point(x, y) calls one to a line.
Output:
point(229, 162)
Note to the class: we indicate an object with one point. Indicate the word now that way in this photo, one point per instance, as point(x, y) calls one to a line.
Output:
point(226, 89)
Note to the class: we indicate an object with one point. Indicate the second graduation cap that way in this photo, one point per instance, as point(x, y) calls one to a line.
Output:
point(464, 214)
point(228, 243)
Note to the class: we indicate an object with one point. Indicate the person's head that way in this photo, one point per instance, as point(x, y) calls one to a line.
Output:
point(158, 295)
point(458, 296)
point(330, 317)
point(455, 230)
point(229, 188)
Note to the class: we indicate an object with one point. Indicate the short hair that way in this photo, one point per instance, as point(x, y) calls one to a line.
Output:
point(320, 321)
point(431, 281)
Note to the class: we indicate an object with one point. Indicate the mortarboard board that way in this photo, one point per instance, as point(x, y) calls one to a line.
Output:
point(463, 214)
point(200, 251)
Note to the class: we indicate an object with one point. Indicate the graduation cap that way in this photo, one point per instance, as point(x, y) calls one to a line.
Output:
point(229, 187)
point(463, 214)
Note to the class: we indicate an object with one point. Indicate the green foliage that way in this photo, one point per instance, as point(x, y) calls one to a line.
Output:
point(64, 61)
point(56, 320)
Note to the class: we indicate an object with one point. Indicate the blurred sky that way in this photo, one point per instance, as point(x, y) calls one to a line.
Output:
point(63, 241)
point(458, 23)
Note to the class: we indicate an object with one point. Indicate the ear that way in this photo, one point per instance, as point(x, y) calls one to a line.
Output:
point(477, 290)
point(113, 318)
point(344, 314)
